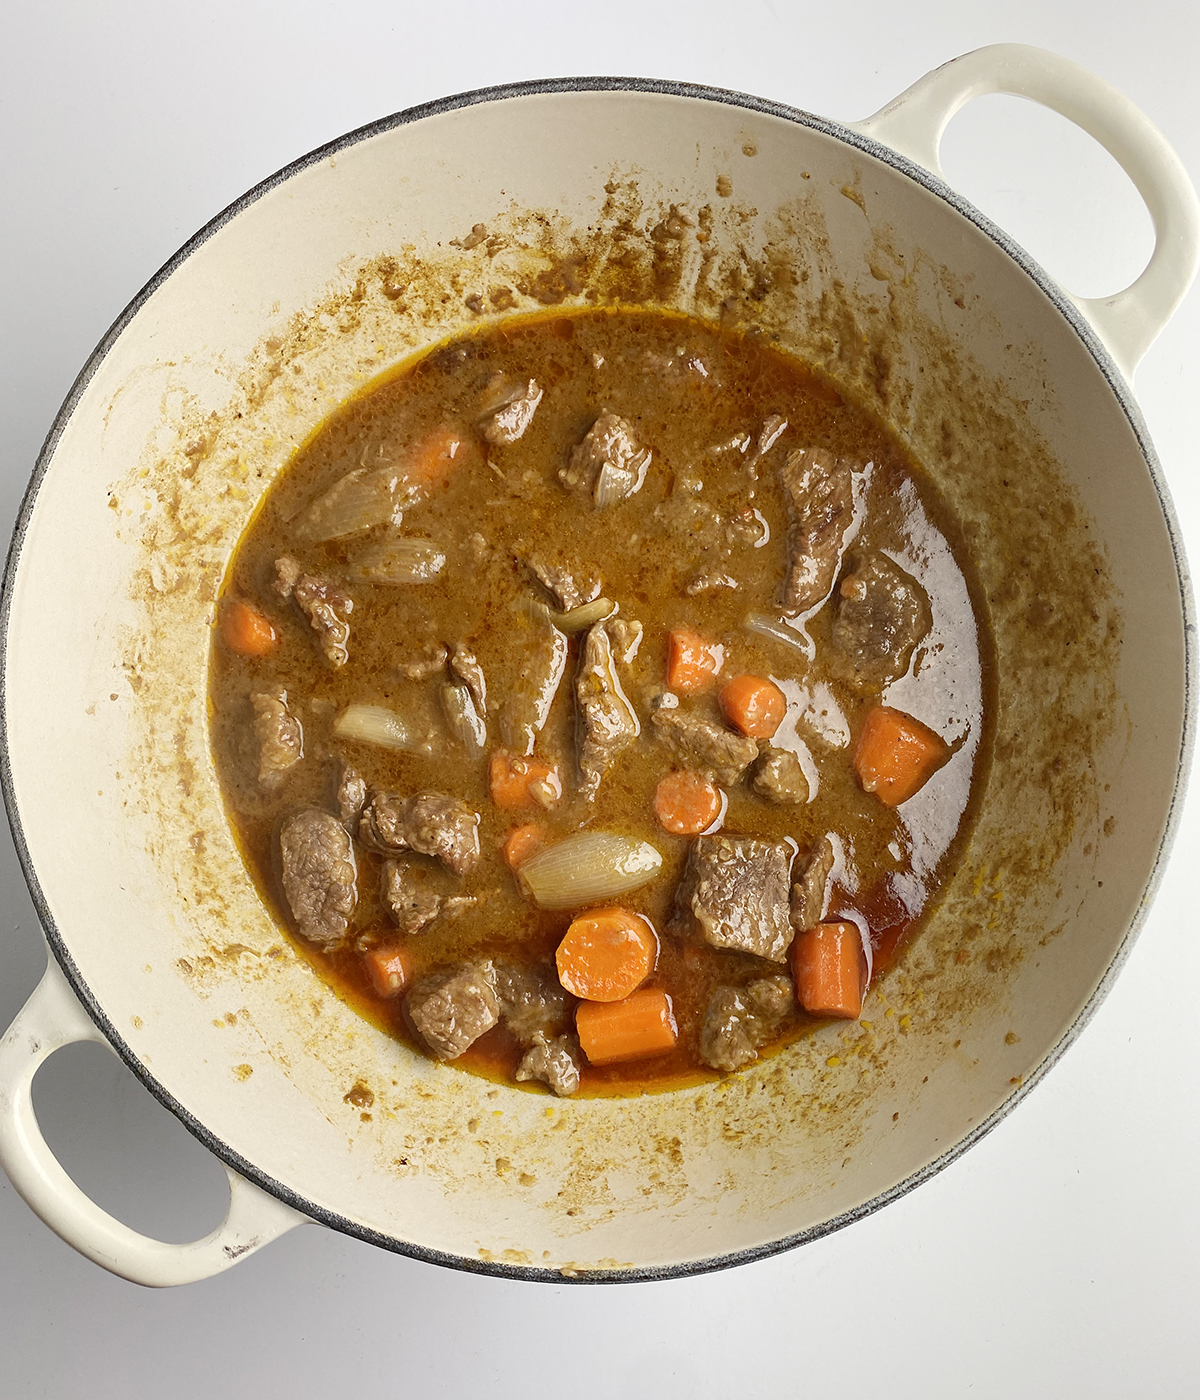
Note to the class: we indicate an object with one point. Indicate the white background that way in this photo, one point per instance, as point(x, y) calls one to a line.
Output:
point(1060, 1256)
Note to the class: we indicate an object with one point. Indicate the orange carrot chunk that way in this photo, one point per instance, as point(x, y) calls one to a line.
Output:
point(896, 755)
point(606, 954)
point(693, 662)
point(634, 1029)
point(754, 705)
point(829, 970)
point(389, 968)
point(432, 460)
point(245, 630)
point(523, 782)
point(686, 803)
point(522, 842)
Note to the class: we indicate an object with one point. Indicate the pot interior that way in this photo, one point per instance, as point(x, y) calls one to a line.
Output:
point(417, 229)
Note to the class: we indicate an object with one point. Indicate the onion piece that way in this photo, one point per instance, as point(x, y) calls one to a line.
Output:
point(360, 500)
point(398, 559)
point(376, 724)
point(780, 632)
point(588, 866)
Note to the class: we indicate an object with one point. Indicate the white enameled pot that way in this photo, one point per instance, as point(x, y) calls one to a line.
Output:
point(845, 244)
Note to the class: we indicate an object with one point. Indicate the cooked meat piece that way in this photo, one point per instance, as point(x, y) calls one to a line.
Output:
point(882, 614)
point(626, 638)
point(554, 1062)
point(508, 408)
point(739, 1020)
point(709, 579)
point(808, 893)
point(280, 738)
point(819, 490)
point(607, 465)
point(778, 776)
point(607, 722)
point(705, 746)
point(319, 876)
point(412, 903)
point(451, 1010)
point(431, 824)
point(431, 663)
point(773, 429)
point(531, 1002)
point(351, 795)
point(326, 607)
point(462, 717)
point(543, 649)
point(465, 668)
point(569, 588)
point(736, 887)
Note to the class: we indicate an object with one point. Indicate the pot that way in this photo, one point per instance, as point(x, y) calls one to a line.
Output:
point(845, 244)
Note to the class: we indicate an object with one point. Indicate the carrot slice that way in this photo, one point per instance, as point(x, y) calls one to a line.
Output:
point(754, 705)
point(432, 460)
point(606, 954)
point(245, 630)
point(522, 842)
point(829, 970)
point(686, 803)
point(634, 1029)
point(693, 662)
point(389, 967)
point(896, 755)
point(523, 782)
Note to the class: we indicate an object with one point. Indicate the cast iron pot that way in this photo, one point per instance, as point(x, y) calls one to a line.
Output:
point(845, 244)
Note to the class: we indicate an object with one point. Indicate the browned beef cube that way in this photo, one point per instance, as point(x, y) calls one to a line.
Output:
point(570, 587)
point(412, 902)
point(608, 465)
point(319, 875)
point(554, 1062)
point(703, 745)
point(738, 1021)
point(280, 737)
point(507, 408)
point(431, 824)
point(881, 616)
point(526, 706)
point(351, 795)
point(808, 893)
point(531, 1002)
point(736, 890)
point(327, 608)
point(779, 777)
point(819, 490)
point(451, 1010)
point(607, 722)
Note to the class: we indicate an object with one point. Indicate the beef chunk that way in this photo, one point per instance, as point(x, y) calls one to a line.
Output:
point(554, 1062)
point(467, 671)
point(703, 745)
point(431, 662)
point(625, 636)
point(882, 614)
point(351, 795)
point(431, 824)
point(508, 407)
point(526, 707)
point(736, 887)
point(608, 465)
point(412, 903)
point(778, 776)
point(319, 876)
point(451, 1010)
point(819, 490)
point(326, 607)
point(531, 1002)
point(280, 738)
point(808, 893)
point(607, 721)
point(740, 1019)
point(570, 588)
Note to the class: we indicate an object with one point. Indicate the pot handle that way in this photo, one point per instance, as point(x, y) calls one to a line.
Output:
point(50, 1019)
point(1128, 321)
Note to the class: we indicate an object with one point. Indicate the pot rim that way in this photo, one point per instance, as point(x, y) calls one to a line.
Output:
point(657, 87)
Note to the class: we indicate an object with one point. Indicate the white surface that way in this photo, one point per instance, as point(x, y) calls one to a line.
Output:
point(1059, 1257)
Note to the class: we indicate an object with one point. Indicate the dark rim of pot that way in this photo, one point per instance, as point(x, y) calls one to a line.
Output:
point(502, 93)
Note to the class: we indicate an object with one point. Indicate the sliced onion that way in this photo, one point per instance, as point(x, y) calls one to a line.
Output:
point(586, 867)
point(780, 632)
point(398, 559)
point(360, 500)
point(376, 724)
